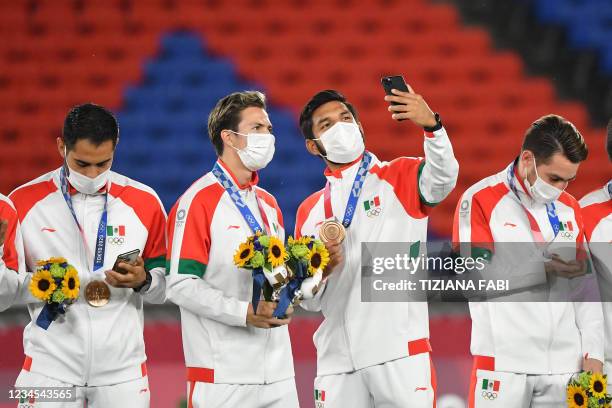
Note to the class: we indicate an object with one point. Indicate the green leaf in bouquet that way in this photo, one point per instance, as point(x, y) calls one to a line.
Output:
point(258, 260)
point(57, 271)
point(584, 378)
point(299, 251)
point(593, 403)
point(319, 245)
point(58, 296)
point(264, 241)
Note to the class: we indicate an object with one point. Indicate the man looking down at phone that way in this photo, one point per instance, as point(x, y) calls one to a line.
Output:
point(236, 357)
point(11, 254)
point(597, 214)
point(88, 214)
point(525, 352)
point(371, 354)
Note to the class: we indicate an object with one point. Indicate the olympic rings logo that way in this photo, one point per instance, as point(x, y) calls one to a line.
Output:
point(115, 240)
point(566, 234)
point(374, 212)
point(489, 395)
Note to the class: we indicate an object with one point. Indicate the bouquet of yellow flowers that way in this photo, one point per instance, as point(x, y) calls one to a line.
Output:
point(588, 390)
point(56, 283)
point(307, 257)
point(265, 256)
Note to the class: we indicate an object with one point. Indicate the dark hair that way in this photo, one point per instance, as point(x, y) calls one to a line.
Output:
point(90, 122)
point(554, 134)
point(226, 114)
point(609, 141)
point(321, 98)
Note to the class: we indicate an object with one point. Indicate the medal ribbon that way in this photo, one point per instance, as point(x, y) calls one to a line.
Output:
point(551, 211)
point(234, 193)
point(351, 205)
point(98, 258)
point(245, 211)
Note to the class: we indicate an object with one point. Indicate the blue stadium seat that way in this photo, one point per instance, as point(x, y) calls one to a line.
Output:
point(587, 22)
point(164, 121)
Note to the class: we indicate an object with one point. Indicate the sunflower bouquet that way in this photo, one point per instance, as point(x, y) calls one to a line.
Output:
point(265, 256)
point(307, 257)
point(588, 390)
point(56, 283)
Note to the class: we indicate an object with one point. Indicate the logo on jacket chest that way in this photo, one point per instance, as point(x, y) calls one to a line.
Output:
point(566, 230)
point(490, 389)
point(372, 207)
point(115, 235)
point(319, 397)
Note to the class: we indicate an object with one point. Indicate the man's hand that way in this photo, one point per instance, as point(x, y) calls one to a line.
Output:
point(263, 319)
point(134, 277)
point(592, 365)
point(3, 228)
point(336, 257)
point(412, 106)
point(559, 267)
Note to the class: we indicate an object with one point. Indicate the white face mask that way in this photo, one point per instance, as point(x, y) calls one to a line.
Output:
point(258, 151)
point(541, 191)
point(343, 142)
point(84, 184)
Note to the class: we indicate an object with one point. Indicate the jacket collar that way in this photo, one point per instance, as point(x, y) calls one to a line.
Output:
point(344, 170)
point(252, 183)
point(72, 191)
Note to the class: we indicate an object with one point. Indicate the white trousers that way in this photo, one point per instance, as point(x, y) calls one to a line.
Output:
point(281, 394)
point(133, 394)
point(496, 389)
point(408, 382)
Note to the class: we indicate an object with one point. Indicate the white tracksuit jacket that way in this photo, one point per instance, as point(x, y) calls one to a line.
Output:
point(597, 214)
point(525, 337)
point(91, 346)
point(11, 256)
point(204, 231)
point(400, 195)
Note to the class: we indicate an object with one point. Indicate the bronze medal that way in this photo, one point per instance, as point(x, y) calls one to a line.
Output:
point(332, 232)
point(97, 293)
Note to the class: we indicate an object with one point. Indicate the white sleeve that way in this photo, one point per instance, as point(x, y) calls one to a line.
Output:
point(199, 297)
point(9, 284)
point(439, 174)
point(156, 292)
point(14, 285)
point(589, 319)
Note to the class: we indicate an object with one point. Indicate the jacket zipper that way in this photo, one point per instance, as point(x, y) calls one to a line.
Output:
point(550, 337)
point(251, 194)
point(88, 357)
point(348, 268)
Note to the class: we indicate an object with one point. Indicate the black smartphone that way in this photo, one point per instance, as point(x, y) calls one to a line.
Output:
point(128, 257)
point(394, 82)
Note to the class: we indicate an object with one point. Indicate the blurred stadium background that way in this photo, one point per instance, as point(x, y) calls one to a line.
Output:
point(489, 67)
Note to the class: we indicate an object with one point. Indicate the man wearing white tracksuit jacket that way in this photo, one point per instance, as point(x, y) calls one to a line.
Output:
point(525, 352)
point(597, 214)
point(235, 358)
point(11, 254)
point(89, 215)
point(372, 354)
